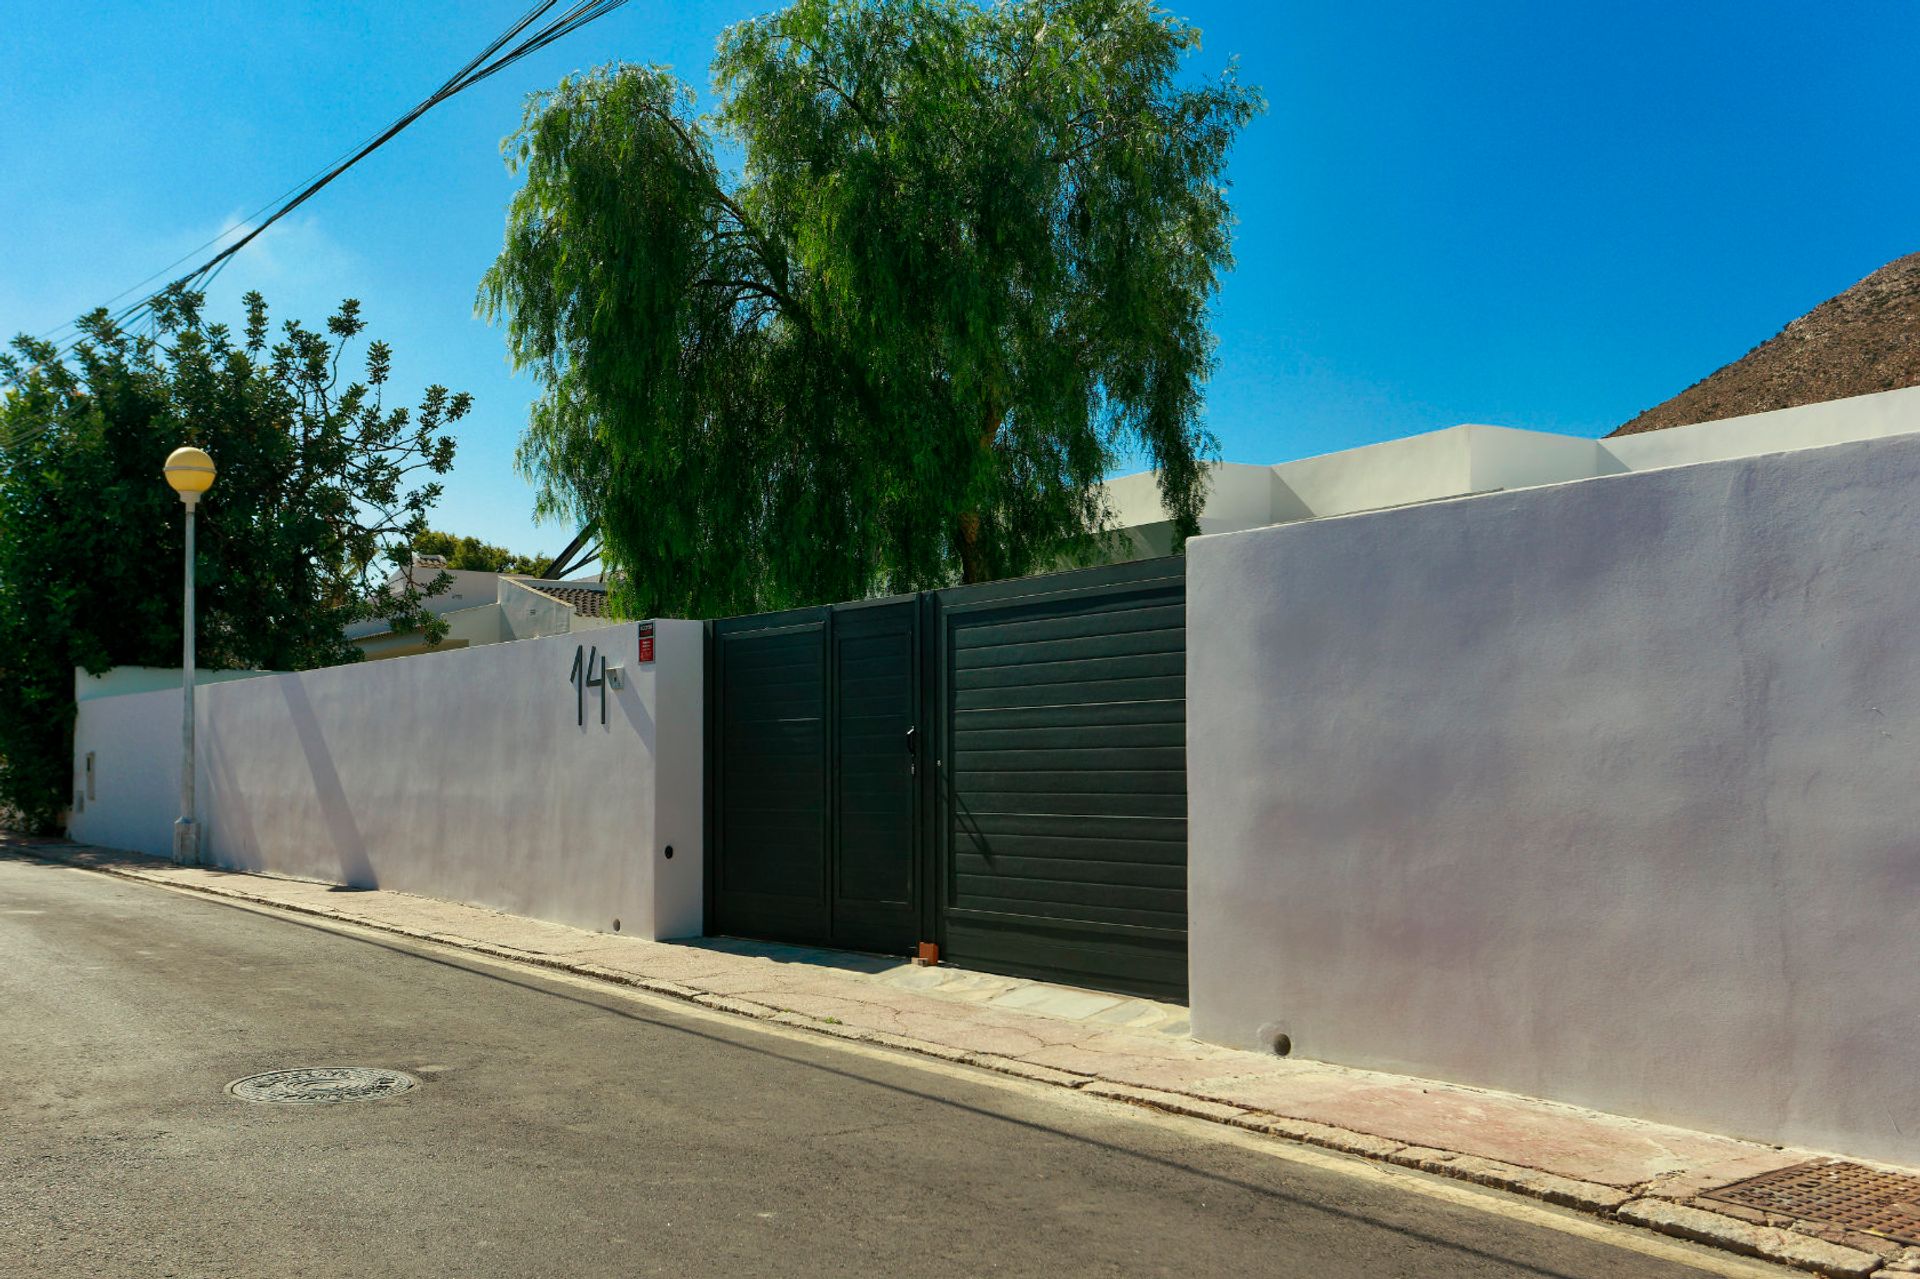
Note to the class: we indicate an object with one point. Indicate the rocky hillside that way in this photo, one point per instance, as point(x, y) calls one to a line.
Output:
point(1866, 339)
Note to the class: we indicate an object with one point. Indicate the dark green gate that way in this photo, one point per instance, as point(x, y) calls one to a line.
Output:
point(1000, 769)
point(1061, 822)
point(814, 795)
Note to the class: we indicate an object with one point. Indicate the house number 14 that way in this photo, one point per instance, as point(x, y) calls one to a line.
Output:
point(586, 675)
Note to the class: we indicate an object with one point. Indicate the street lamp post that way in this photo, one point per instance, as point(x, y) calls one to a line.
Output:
point(190, 473)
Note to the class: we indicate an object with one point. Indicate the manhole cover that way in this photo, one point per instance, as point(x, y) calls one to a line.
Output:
point(321, 1085)
point(1836, 1194)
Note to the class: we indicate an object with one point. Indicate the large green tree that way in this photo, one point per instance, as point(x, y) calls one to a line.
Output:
point(964, 270)
point(321, 490)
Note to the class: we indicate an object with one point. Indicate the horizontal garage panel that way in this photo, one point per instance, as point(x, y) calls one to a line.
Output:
point(1076, 736)
point(1090, 902)
point(1150, 962)
point(1128, 644)
point(1082, 715)
point(1072, 670)
point(1073, 870)
point(1122, 758)
point(1126, 827)
point(1092, 690)
point(1094, 622)
point(1091, 780)
point(984, 803)
point(1064, 744)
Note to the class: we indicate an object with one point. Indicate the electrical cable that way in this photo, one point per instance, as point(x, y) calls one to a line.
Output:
point(239, 225)
point(488, 62)
point(575, 16)
point(475, 70)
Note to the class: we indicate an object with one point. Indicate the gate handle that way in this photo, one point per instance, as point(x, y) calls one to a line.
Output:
point(913, 763)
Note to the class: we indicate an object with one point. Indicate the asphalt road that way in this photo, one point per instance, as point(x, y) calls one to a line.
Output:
point(565, 1129)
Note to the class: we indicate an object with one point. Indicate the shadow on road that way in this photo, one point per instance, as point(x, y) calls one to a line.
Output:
point(855, 1076)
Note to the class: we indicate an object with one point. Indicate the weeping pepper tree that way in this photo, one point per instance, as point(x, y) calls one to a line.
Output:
point(963, 270)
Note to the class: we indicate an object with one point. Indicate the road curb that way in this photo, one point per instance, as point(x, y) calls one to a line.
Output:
point(1787, 1247)
point(1628, 1205)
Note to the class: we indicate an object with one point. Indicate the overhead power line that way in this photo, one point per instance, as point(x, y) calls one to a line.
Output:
point(527, 35)
point(539, 27)
point(479, 68)
point(239, 226)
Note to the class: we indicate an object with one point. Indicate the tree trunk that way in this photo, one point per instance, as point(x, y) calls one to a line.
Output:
point(966, 540)
point(973, 567)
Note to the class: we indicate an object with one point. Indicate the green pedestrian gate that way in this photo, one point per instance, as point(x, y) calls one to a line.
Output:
point(814, 794)
point(997, 769)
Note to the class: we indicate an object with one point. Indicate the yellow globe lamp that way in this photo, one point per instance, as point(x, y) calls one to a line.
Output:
point(190, 473)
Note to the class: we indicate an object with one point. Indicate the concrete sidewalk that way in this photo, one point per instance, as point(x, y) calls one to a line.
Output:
point(1130, 1050)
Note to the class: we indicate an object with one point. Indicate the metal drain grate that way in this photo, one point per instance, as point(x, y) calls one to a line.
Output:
point(1836, 1194)
point(321, 1085)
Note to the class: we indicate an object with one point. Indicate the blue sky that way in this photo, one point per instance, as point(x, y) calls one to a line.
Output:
point(1540, 215)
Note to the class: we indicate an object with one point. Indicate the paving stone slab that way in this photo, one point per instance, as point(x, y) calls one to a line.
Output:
point(728, 1004)
point(1524, 1131)
point(1053, 1001)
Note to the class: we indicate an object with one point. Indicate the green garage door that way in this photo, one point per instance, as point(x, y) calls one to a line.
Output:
point(1062, 799)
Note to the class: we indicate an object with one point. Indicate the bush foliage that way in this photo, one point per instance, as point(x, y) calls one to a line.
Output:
point(320, 488)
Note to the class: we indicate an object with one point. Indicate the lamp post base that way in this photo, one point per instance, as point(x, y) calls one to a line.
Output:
point(186, 843)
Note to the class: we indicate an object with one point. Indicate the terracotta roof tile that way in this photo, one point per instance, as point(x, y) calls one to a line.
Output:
point(586, 600)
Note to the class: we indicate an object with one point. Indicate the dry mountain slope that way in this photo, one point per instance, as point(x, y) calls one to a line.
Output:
point(1866, 339)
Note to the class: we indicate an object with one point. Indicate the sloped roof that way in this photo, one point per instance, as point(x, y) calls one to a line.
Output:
point(1864, 340)
point(586, 599)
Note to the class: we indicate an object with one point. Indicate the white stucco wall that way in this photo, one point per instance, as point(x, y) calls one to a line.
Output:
point(481, 624)
point(468, 589)
point(1460, 460)
point(1418, 468)
point(527, 614)
point(122, 680)
point(134, 739)
point(1500, 457)
point(462, 775)
point(1238, 496)
point(1603, 792)
point(1858, 417)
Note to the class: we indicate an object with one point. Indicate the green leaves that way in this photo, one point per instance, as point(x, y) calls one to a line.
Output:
point(964, 270)
point(473, 554)
point(321, 488)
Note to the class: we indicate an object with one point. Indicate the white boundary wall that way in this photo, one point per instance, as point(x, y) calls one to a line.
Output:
point(1607, 792)
point(461, 775)
point(1461, 460)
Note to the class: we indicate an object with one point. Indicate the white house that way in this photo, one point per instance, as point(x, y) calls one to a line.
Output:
point(486, 608)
